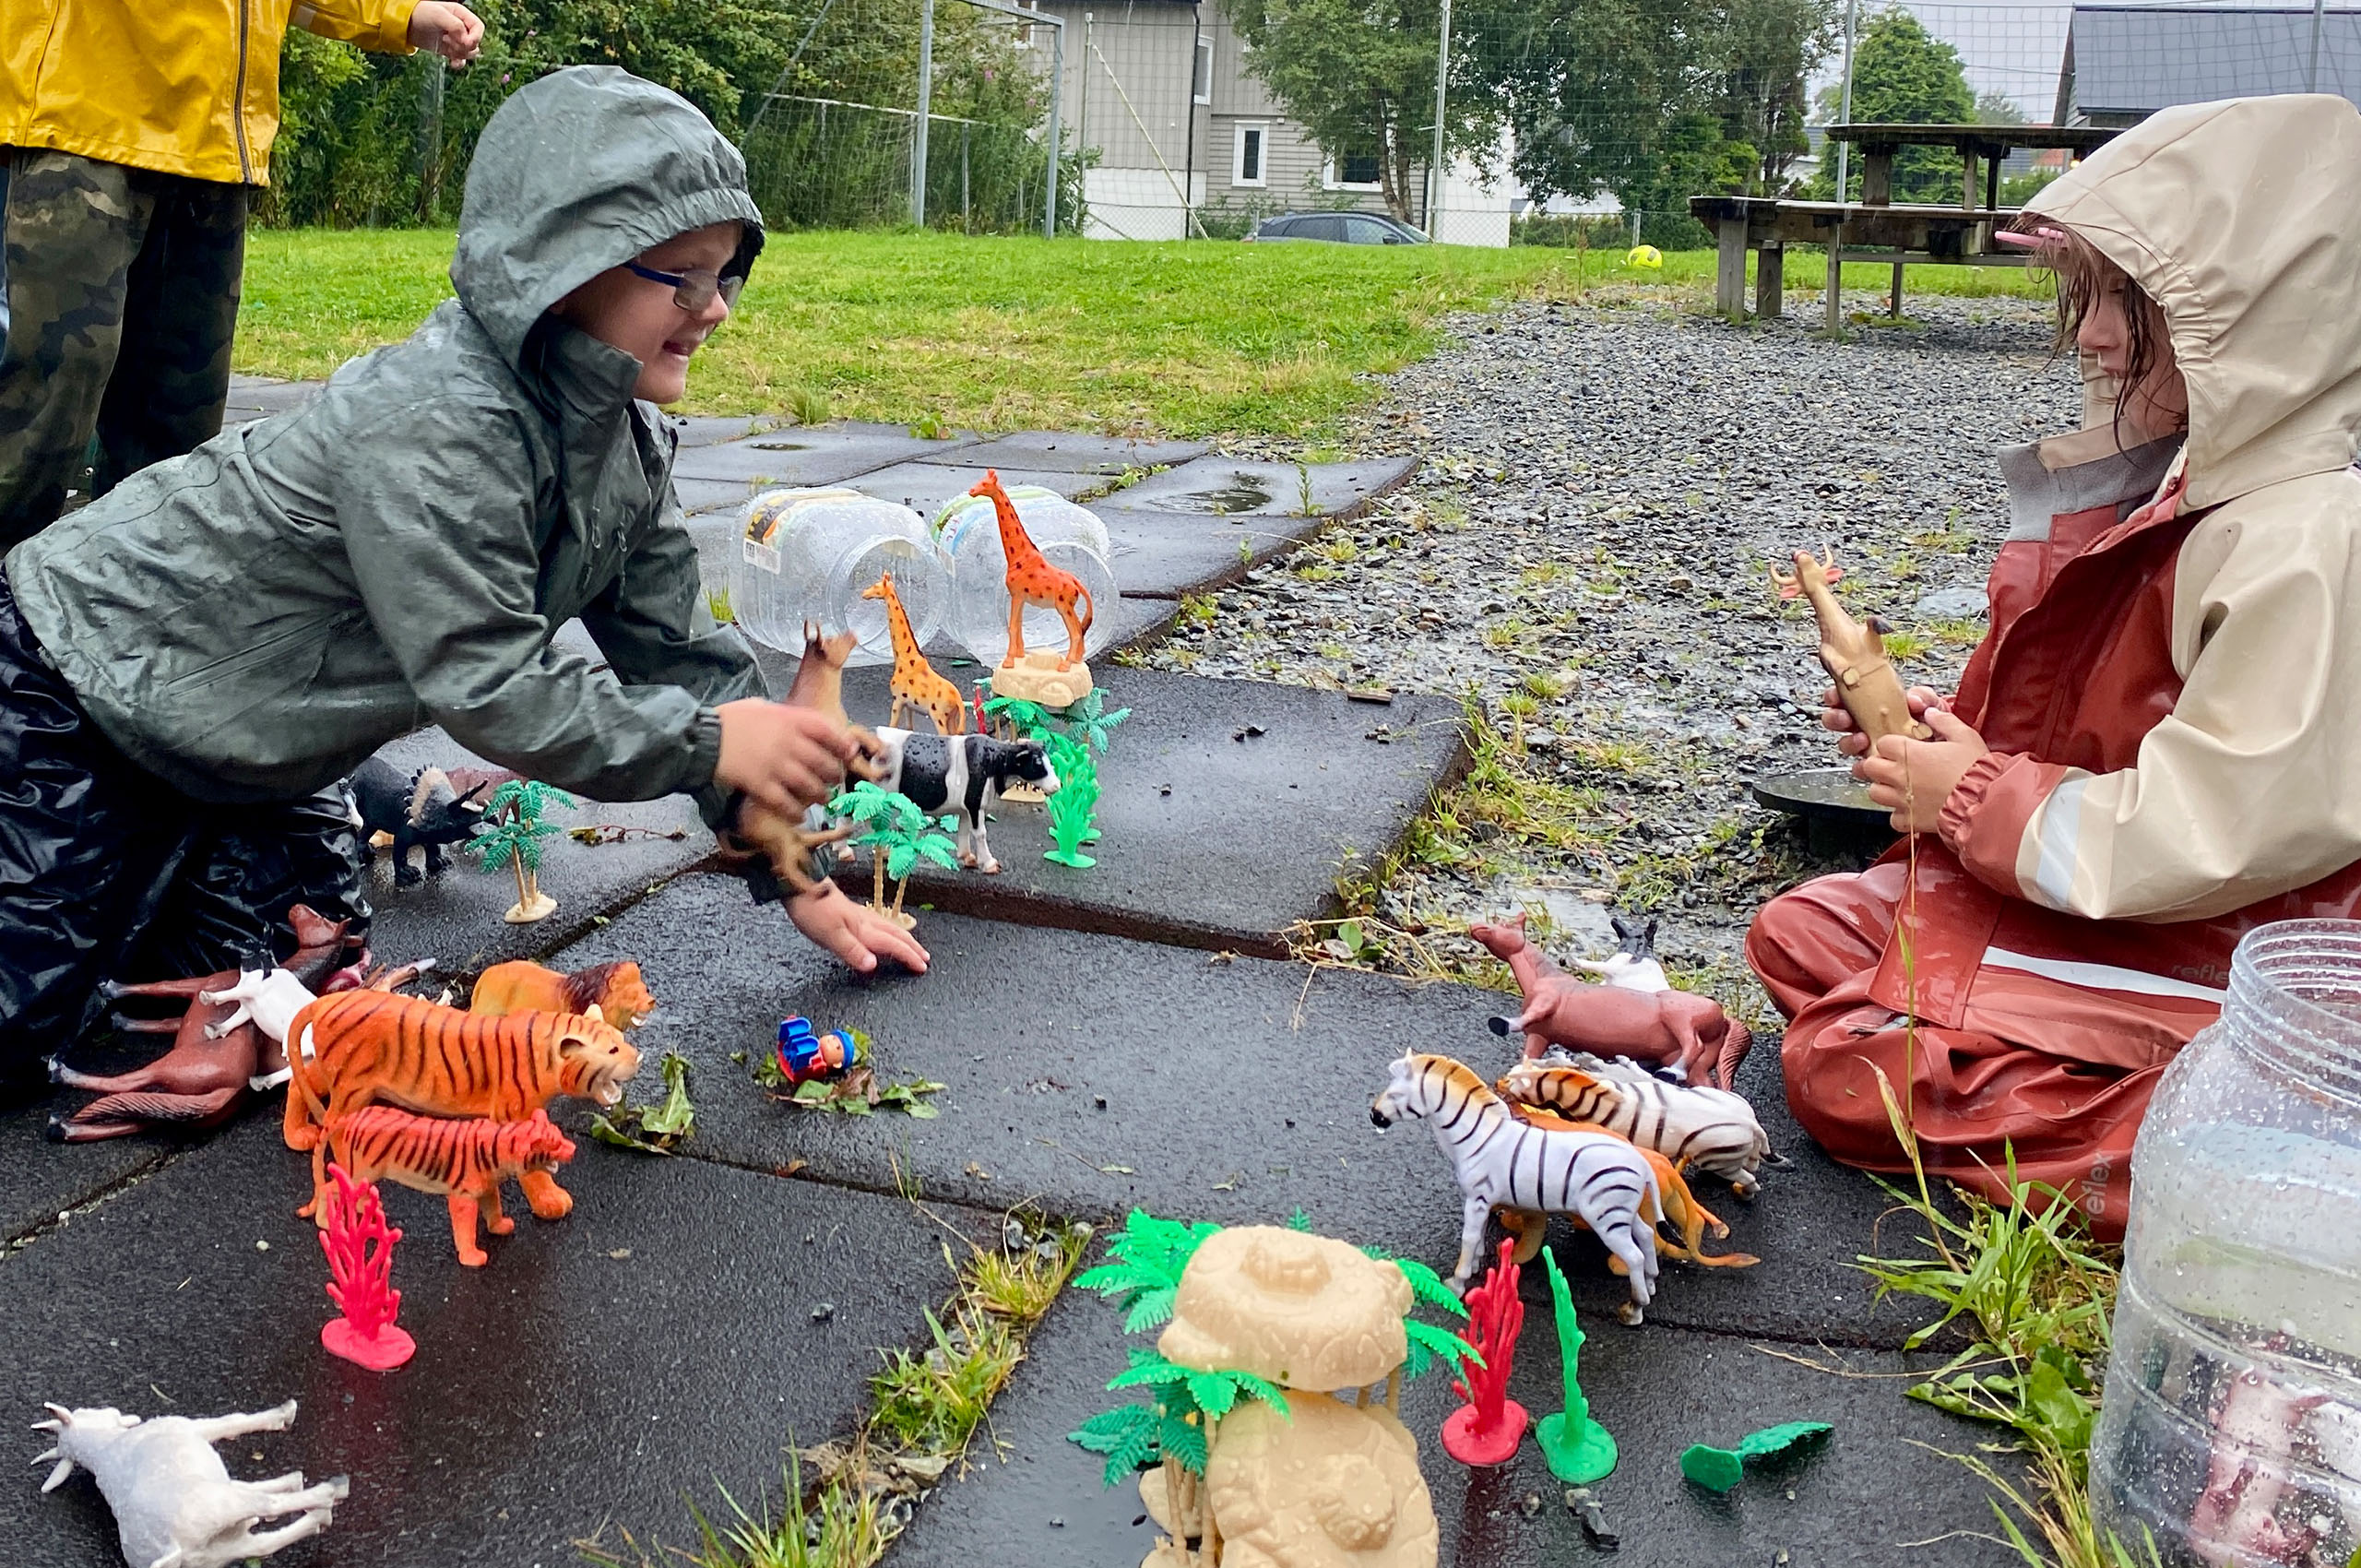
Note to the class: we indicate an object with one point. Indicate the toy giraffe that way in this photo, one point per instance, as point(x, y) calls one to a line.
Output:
point(916, 684)
point(1032, 581)
point(1851, 651)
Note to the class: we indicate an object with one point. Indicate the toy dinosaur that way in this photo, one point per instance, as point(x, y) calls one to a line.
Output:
point(1673, 1028)
point(422, 810)
point(915, 683)
point(1851, 651)
point(217, 1057)
point(1032, 581)
point(176, 1503)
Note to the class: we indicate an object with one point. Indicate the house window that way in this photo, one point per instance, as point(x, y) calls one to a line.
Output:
point(1202, 83)
point(1246, 156)
point(1355, 169)
point(1024, 33)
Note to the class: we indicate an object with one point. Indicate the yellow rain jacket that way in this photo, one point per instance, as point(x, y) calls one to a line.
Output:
point(181, 87)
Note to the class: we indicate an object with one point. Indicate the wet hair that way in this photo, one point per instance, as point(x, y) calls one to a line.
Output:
point(2083, 276)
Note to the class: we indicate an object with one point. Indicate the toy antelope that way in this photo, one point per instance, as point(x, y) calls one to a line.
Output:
point(786, 844)
point(1667, 1026)
point(1851, 651)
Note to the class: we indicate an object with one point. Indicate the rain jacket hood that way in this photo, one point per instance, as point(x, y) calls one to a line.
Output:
point(251, 621)
point(2239, 218)
point(580, 171)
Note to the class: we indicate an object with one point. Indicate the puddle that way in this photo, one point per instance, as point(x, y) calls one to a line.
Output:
point(1244, 492)
point(782, 446)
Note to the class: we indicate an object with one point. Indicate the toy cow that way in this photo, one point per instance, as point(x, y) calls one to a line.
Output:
point(422, 810)
point(963, 773)
point(175, 1505)
point(1672, 1027)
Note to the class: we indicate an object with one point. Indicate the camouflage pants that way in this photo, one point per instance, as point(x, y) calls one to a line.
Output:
point(110, 266)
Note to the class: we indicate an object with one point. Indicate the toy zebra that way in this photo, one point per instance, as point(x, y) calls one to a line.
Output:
point(1710, 1131)
point(1504, 1163)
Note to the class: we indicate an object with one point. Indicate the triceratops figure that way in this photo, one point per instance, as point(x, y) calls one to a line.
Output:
point(423, 810)
point(1852, 652)
point(175, 1505)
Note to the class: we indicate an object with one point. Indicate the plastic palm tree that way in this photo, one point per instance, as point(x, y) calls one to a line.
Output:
point(1090, 719)
point(1028, 721)
point(511, 839)
point(897, 834)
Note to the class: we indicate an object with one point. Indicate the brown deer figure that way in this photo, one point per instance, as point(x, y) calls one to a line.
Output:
point(207, 1074)
point(1852, 652)
point(1666, 1028)
point(915, 683)
point(784, 842)
point(1032, 581)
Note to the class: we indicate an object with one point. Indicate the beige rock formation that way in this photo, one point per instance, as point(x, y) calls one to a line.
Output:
point(1335, 1486)
point(1302, 1311)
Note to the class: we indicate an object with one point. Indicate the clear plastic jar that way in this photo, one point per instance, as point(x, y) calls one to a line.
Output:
point(1069, 537)
point(2231, 1426)
point(809, 554)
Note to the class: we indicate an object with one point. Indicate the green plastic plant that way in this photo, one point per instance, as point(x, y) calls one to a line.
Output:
point(1578, 1450)
point(1090, 720)
point(898, 835)
point(1722, 1468)
point(511, 837)
point(1077, 797)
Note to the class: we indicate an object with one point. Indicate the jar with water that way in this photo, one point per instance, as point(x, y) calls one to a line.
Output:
point(812, 555)
point(2230, 1432)
point(1069, 537)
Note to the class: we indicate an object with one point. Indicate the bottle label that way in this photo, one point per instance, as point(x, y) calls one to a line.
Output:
point(761, 544)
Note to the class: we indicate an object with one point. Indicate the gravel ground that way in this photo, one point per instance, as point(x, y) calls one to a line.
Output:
point(1584, 553)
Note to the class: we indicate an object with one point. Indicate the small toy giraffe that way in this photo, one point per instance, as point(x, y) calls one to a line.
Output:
point(916, 684)
point(1852, 652)
point(1032, 581)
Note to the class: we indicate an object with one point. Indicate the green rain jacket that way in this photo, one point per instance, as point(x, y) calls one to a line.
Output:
point(251, 621)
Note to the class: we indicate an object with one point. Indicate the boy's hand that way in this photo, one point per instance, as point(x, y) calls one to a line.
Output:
point(1913, 778)
point(854, 933)
point(446, 27)
point(788, 759)
point(1922, 700)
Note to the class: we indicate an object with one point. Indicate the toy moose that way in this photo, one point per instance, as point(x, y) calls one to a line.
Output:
point(1669, 1027)
point(1851, 651)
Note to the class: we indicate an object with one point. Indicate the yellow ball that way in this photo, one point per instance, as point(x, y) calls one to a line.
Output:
point(1645, 255)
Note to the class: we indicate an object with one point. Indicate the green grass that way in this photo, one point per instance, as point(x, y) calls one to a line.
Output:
point(999, 333)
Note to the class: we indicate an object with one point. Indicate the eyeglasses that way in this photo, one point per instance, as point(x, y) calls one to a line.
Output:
point(695, 289)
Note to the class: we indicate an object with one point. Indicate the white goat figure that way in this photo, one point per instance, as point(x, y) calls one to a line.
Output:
point(1634, 965)
point(176, 1506)
point(269, 999)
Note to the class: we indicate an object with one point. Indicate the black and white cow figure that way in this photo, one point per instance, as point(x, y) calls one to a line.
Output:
point(963, 773)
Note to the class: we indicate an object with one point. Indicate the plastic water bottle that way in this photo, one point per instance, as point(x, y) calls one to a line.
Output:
point(808, 555)
point(2231, 1428)
point(1069, 537)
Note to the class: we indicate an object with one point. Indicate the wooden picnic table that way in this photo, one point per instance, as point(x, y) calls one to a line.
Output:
point(1901, 233)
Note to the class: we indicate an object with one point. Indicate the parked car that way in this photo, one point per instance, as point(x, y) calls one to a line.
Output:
point(1338, 227)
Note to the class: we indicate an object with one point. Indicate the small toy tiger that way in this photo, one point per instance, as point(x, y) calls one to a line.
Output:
point(359, 1047)
point(614, 990)
point(464, 1161)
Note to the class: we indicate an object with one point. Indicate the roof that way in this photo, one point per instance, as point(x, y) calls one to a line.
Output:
point(2132, 59)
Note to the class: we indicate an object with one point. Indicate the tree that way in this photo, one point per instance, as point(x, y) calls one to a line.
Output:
point(1903, 75)
point(1360, 76)
point(899, 835)
point(1769, 49)
point(511, 839)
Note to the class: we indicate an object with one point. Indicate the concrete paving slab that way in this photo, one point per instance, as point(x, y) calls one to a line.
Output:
point(252, 397)
point(1210, 839)
point(39, 1180)
point(711, 429)
point(1093, 1075)
point(712, 497)
point(1130, 623)
point(1231, 486)
point(807, 455)
point(1071, 453)
point(1166, 554)
point(1870, 1496)
point(602, 1370)
point(926, 487)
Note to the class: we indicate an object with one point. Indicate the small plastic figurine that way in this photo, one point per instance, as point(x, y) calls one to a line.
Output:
point(511, 838)
point(897, 835)
point(1033, 580)
point(460, 1160)
point(963, 773)
point(1486, 1429)
point(789, 845)
point(367, 1046)
point(615, 990)
point(1675, 1204)
point(915, 683)
point(1709, 1130)
point(805, 1057)
point(1578, 1450)
point(360, 1248)
point(175, 1505)
point(1670, 1027)
point(1852, 652)
point(1719, 1469)
point(422, 810)
point(1503, 1162)
point(1077, 797)
point(1633, 963)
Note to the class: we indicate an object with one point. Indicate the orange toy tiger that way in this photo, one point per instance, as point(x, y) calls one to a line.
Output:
point(354, 1048)
point(614, 990)
point(464, 1161)
point(1691, 1218)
